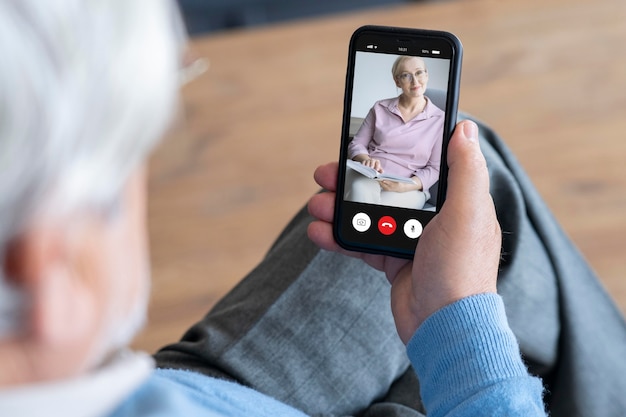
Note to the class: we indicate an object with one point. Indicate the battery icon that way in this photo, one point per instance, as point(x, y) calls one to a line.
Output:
point(435, 52)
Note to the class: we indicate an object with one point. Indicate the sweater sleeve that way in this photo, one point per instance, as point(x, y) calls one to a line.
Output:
point(468, 362)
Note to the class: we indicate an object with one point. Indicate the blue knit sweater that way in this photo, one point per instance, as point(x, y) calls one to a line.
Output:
point(465, 355)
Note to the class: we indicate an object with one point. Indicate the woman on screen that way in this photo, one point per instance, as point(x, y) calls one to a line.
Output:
point(400, 136)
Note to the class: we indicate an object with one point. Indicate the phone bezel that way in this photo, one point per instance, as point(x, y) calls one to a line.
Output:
point(388, 39)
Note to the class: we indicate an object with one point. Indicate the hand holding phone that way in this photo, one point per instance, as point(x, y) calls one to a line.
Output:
point(400, 108)
point(457, 256)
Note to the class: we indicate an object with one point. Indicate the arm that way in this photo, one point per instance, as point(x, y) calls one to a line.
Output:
point(429, 174)
point(358, 147)
point(457, 257)
point(469, 348)
point(400, 187)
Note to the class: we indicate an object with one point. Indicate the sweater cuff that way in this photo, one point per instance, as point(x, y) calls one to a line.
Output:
point(466, 346)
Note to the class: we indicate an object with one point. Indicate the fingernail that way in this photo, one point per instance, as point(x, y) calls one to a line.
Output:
point(470, 130)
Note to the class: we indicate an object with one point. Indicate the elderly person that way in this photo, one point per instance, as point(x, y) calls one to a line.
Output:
point(87, 89)
point(400, 136)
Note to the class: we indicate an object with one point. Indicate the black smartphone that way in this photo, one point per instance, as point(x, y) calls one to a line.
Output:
point(400, 108)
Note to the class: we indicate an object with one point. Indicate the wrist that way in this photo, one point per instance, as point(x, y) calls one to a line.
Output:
point(418, 182)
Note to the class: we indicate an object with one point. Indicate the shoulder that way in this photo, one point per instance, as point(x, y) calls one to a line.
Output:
point(173, 392)
point(432, 110)
point(387, 102)
point(383, 107)
point(164, 397)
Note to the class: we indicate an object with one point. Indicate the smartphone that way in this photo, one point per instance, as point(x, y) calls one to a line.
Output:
point(400, 108)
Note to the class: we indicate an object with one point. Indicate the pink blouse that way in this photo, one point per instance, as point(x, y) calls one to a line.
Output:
point(405, 149)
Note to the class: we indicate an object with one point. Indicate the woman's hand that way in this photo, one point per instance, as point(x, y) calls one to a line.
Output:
point(458, 254)
point(401, 187)
point(373, 163)
point(369, 162)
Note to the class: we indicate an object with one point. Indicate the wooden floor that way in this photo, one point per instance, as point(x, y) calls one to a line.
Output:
point(548, 76)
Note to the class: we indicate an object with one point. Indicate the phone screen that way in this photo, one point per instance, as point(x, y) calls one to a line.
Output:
point(399, 111)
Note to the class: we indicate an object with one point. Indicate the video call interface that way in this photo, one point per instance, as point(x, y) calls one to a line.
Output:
point(407, 145)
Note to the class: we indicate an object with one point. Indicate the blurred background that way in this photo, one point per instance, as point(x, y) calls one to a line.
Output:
point(205, 16)
point(265, 110)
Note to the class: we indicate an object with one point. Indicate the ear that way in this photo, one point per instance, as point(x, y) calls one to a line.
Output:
point(39, 262)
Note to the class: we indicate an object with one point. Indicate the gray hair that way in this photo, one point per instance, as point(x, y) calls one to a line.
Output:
point(87, 87)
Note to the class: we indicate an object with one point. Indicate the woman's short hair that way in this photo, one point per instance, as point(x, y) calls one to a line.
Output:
point(399, 61)
point(86, 89)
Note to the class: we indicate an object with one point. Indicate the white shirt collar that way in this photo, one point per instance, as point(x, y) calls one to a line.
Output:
point(92, 395)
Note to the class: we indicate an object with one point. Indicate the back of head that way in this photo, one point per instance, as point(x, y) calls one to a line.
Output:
point(87, 87)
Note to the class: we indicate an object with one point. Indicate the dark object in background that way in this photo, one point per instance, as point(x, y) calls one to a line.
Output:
point(202, 16)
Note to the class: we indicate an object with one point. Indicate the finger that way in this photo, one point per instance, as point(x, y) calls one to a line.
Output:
point(326, 176)
point(468, 178)
point(321, 233)
point(388, 264)
point(468, 212)
point(322, 206)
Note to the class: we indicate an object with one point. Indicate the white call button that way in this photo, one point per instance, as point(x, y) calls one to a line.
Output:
point(413, 229)
point(361, 222)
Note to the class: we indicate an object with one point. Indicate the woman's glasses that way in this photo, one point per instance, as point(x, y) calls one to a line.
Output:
point(408, 77)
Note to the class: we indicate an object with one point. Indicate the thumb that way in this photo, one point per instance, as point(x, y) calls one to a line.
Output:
point(468, 212)
point(468, 178)
point(458, 254)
